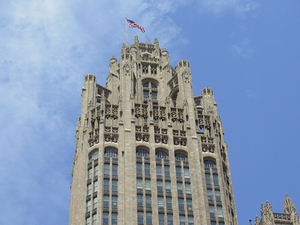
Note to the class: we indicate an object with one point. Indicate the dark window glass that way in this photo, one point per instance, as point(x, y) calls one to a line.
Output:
point(169, 202)
point(106, 184)
point(148, 200)
point(105, 201)
point(180, 157)
point(167, 171)
point(142, 152)
point(147, 168)
point(209, 164)
point(138, 167)
point(140, 200)
point(114, 201)
point(180, 204)
point(114, 169)
point(111, 153)
point(105, 218)
point(114, 185)
point(161, 155)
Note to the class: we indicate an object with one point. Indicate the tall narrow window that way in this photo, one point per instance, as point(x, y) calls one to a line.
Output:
point(219, 211)
point(161, 219)
point(159, 185)
point(94, 156)
point(186, 173)
point(160, 202)
point(148, 200)
point(114, 169)
point(169, 202)
point(140, 217)
point(114, 219)
point(167, 171)
point(111, 153)
point(209, 163)
point(89, 189)
point(88, 206)
point(189, 204)
point(182, 220)
point(90, 174)
point(170, 219)
point(105, 201)
point(95, 200)
point(95, 219)
point(180, 204)
point(158, 170)
point(191, 220)
point(216, 181)
point(105, 218)
point(180, 157)
point(139, 168)
point(106, 168)
point(149, 88)
point(218, 195)
point(106, 184)
point(147, 184)
point(147, 168)
point(88, 221)
point(209, 194)
point(140, 200)
point(168, 186)
point(139, 183)
point(96, 171)
point(142, 152)
point(95, 186)
point(178, 171)
point(207, 178)
point(179, 187)
point(149, 218)
point(114, 185)
point(161, 155)
point(187, 188)
point(211, 210)
point(114, 201)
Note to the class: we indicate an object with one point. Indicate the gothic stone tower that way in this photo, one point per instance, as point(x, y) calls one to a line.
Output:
point(148, 151)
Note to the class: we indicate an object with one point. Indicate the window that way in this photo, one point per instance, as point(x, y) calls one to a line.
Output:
point(188, 188)
point(114, 218)
point(179, 187)
point(138, 167)
point(106, 168)
point(139, 183)
point(105, 218)
point(211, 211)
point(180, 157)
point(147, 184)
point(161, 218)
point(95, 219)
point(88, 221)
point(154, 95)
point(186, 173)
point(96, 171)
point(149, 218)
point(142, 152)
point(114, 185)
point(189, 204)
point(159, 185)
point(169, 202)
point(88, 206)
point(191, 220)
point(216, 181)
point(218, 195)
point(147, 168)
point(141, 217)
point(105, 201)
point(161, 155)
point(167, 171)
point(148, 200)
point(89, 189)
point(178, 171)
point(182, 220)
point(95, 186)
point(93, 156)
point(111, 153)
point(158, 170)
point(140, 200)
point(219, 211)
point(180, 204)
point(209, 163)
point(106, 184)
point(149, 88)
point(168, 186)
point(213, 223)
point(207, 178)
point(114, 169)
point(209, 194)
point(95, 201)
point(114, 201)
point(170, 219)
point(89, 174)
point(160, 202)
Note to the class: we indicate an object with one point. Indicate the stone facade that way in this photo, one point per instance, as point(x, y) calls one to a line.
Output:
point(148, 151)
point(268, 217)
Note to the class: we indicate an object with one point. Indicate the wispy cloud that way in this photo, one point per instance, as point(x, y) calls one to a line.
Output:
point(243, 49)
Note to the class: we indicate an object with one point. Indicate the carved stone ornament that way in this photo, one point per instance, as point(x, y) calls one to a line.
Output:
point(127, 70)
point(185, 77)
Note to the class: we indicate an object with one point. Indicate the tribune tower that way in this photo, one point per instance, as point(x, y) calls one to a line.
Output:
point(148, 151)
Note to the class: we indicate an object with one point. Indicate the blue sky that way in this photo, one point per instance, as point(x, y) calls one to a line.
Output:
point(247, 51)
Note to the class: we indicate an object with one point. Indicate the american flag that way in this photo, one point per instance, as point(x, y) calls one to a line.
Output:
point(133, 24)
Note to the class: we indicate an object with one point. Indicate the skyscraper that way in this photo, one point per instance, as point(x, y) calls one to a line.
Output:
point(148, 151)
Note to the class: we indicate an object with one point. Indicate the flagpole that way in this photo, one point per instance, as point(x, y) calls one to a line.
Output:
point(126, 30)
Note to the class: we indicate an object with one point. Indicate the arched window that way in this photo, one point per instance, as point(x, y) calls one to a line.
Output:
point(93, 156)
point(111, 153)
point(181, 156)
point(162, 154)
point(209, 163)
point(150, 88)
point(142, 152)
